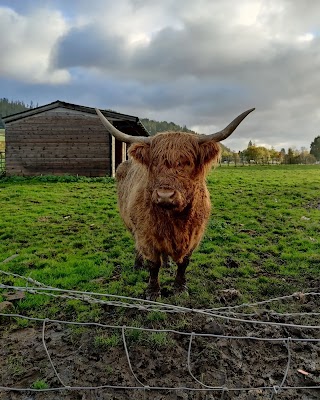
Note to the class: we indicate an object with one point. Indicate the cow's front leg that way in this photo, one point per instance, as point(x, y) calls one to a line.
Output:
point(138, 262)
point(153, 290)
point(180, 280)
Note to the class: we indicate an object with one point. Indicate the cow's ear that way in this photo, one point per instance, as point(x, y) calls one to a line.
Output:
point(140, 152)
point(209, 152)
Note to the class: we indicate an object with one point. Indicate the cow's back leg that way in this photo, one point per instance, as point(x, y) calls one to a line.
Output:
point(165, 260)
point(180, 284)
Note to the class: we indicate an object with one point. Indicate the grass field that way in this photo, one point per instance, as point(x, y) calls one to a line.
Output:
point(262, 239)
point(2, 145)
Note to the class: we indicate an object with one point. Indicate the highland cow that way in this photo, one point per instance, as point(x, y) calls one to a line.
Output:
point(163, 197)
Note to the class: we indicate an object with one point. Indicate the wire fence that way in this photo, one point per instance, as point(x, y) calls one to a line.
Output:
point(235, 161)
point(254, 318)
point(2, 162)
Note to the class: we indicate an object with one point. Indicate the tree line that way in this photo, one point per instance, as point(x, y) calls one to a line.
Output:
point(261, 155)
point(252, 154)
point(153, 126)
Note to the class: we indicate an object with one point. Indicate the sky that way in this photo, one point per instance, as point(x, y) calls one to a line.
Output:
point(196, 63)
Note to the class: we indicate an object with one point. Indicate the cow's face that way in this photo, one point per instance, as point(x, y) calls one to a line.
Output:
point(177, 164)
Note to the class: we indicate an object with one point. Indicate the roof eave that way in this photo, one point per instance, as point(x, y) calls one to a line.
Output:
point(112, 115)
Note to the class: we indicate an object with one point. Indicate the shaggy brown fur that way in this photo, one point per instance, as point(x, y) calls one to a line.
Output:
point(164, 201)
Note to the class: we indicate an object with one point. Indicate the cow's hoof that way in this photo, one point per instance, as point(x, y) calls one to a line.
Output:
point(152, 294)
point(180, 288)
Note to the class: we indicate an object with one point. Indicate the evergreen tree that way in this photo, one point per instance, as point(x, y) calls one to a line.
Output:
point(290, 157)
point(156, 126)
point(315, 148)
point(11, 107)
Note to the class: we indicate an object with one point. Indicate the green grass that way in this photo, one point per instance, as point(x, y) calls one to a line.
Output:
point(40, 384)
point(262, 239)
point(104, 342)
point(2, 140)
point(158, 340)
point(15, 365)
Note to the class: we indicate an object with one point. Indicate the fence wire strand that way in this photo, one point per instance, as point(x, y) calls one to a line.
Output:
point(87, 296)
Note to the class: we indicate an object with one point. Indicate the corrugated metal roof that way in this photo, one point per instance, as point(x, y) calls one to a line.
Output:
point(126, 121)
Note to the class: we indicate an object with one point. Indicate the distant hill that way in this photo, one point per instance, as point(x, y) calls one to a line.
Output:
point(162, 126)
point(153, 127)
point(8, 107)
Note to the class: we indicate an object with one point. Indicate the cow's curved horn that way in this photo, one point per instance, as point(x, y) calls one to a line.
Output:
point(226, 132)
point(121, 136)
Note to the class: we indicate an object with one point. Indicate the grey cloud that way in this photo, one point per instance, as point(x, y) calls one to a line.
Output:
point(198, 49)
point(198, 63)
point(87, 47)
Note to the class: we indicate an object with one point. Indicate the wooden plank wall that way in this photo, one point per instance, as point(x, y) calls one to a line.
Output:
point(58, 142)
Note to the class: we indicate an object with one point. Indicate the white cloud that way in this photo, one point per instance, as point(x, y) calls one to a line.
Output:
point(306, 37)
point(26, 45)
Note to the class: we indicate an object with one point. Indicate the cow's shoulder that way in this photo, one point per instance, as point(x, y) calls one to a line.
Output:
point(123, 169)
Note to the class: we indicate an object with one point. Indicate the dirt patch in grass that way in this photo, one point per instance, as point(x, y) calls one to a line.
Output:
point(90, 356)
point(314, 204)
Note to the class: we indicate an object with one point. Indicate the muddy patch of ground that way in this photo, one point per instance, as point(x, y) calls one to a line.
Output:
point(314, 204)
point(91, 356)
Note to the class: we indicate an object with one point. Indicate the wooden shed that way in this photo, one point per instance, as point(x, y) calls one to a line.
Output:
point(62, 138)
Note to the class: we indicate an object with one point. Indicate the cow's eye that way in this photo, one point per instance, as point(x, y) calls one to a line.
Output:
point(187, 164)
